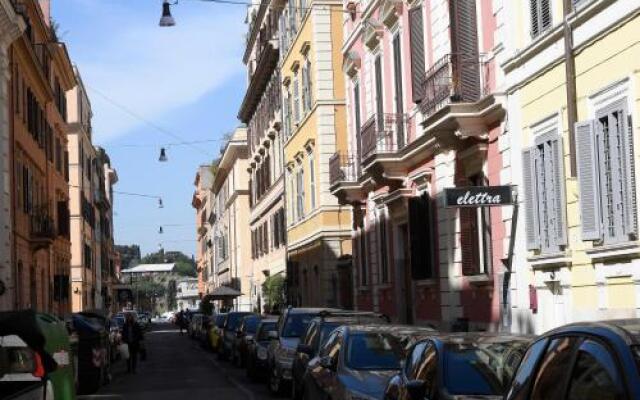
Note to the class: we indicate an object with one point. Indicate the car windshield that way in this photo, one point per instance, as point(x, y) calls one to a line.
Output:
point(296, 325)
point(233, 321)
point(220, 321)
point(266, 328)
point(373, 351)
point(251, 324)
point(326, 329)
point(119, 321)
point(487, 367)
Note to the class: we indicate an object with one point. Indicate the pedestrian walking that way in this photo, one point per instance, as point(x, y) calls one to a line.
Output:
point(180, 321)
point(132, 336)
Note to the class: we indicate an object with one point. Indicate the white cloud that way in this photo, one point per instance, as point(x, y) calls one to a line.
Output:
point(148, 69)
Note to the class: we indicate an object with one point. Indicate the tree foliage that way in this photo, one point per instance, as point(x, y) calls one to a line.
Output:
point(185, 265)
point(273, 290)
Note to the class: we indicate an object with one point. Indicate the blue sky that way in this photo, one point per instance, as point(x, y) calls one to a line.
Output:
point(189, 80)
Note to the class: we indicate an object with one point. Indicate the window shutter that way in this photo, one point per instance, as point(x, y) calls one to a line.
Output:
point(464, 44)
point(530, 199)
point(420, 237)
point(631, 206)
point(379, 94)
point(588, 180)
point(304, 89)
point(416, 42)
point(545, 14)
point(559, 209)
point(533, 7)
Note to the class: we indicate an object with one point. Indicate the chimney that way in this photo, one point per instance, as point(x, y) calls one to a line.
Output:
point(45, 6)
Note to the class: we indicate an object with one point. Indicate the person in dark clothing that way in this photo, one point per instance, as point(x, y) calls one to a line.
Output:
point(180, 320)
point(132, 336)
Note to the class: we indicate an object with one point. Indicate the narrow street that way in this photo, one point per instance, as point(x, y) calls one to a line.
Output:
point(178, 368)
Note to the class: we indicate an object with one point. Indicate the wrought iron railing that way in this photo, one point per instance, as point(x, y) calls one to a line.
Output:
point(455, 78)
point(342, 168)
point(42, 226)
point(383, 134)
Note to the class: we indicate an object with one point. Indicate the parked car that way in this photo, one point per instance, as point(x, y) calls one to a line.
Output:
point(316, 335)
point(22, 371)
point(586, 361)
point(244, 335)
point(215, 332)
point(292, 324)
point(256, 362)
point(144, 320)
point(458, 365)
point(357, 361)
point(229, 331)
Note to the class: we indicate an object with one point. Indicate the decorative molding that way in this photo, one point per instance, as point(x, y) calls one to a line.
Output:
point(305, 47)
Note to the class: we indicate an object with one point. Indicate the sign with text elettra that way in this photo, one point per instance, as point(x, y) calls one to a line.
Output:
point(479, 196)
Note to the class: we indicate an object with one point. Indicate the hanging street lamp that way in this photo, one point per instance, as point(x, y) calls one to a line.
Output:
point(167, 19)
point(163, 155)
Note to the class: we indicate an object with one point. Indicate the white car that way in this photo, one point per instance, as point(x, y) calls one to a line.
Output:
point(22, 374)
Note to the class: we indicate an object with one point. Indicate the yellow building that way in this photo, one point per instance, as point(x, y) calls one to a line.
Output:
point(572, 148)
point(318, 229)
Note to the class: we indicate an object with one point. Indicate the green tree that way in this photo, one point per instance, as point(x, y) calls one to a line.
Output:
point(273, 290)
point(185, 269)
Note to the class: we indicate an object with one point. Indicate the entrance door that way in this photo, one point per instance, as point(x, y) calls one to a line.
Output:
point(345, 286)
point(404, 286)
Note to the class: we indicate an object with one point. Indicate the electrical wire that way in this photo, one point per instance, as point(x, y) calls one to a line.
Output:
point(249, 3)
point(168, 145)
point(150, 196)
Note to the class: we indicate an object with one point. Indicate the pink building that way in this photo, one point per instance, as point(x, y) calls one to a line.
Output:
point(424, 114)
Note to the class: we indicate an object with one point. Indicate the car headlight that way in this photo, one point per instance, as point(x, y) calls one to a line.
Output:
point(262, 353)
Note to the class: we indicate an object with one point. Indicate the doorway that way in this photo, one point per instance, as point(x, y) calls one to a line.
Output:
point(403, 273)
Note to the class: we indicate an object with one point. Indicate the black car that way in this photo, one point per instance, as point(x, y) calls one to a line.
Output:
point(316, 335)
point(229, 331)
point(357, 361)
point(256, 361)
point(586, 361)
point(460, 365)
point(291, 325)
point(244, 335)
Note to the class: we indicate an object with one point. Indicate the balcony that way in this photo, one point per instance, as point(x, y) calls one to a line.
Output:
point(383, 134)
point(342, 168)
point(455, 78)
point(42, 230)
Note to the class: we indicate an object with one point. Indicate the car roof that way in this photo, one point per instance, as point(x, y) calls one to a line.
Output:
point(627, 329)
point(392, 329)
point(311, 310)
point(268, 320)
point(478, 337)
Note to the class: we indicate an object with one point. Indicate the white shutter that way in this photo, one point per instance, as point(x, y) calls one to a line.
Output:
point(530, 199)
point(560, 208)
point(631, 206)
point(589, 187)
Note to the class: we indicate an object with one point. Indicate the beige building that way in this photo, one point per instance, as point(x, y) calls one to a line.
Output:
point(231, 238)
point(201, 202)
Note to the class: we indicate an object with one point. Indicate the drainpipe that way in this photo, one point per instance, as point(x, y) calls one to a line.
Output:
point(570, 72)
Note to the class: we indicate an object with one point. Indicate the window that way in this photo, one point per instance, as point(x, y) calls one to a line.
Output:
point(475, 237)
point(379, 94)
point(416, 44)
point(398, 91)
point(362, 256)
point(540, 16)
point(300, 194)
point(427, 371)
point(556, 361)
point(411, 363)
point(382, 229)
point(606, 178)
point(356, 120)
point(595, 375)
point(88, 257)
point(543, 179)
point(312, 181)
point(287, 113)
point(421, 237)
point(521, 384)
point(306, 85)
point(296, 98)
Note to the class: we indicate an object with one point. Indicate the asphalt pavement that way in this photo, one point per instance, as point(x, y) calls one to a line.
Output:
point(177, 367)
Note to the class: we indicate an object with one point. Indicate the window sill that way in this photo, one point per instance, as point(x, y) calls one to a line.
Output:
point(479, 280)
point(612, 251)
point(427, 282)
point(554, 260)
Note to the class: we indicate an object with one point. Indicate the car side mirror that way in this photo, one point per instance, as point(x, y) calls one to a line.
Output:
point(327, 362)
point(272, 335)
point(417, 389)
point(305, 349)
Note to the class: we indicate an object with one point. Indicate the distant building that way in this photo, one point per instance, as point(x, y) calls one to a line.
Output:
point(202, 203)
point(149, 269)
point(187, 295)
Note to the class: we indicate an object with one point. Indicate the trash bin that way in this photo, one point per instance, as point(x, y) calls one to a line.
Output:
point(57, 344)
point(46, 334)
point(92, 352)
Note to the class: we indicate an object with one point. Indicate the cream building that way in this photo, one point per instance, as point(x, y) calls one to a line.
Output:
point(202, 202)
point(572, 73)
point(231, 238)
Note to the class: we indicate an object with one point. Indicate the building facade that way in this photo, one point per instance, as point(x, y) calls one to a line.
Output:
point(12, 27)
point(41, 75)
point(202, 201)
point(314, 128)
point(261, 112)
point(231, 238)
point(103, 202)
point(187, 296)
point(424, 114)
point(571, 73)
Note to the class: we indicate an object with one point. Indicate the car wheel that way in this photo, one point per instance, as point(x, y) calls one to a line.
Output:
point(275, 383)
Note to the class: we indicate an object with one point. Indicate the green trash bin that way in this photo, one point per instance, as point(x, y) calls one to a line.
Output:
point(57, 344)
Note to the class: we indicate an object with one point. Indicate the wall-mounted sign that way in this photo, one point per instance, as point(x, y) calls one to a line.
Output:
point(478, 196)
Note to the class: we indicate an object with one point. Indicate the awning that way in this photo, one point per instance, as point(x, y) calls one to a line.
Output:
point(223, 292)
